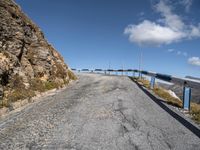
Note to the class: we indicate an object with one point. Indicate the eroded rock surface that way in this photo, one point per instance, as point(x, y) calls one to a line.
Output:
point(25, 55)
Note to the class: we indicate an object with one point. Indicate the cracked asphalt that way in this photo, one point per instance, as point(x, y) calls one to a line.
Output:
point(97, 112)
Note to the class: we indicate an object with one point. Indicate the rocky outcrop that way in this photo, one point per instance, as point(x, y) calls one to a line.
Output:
point(27, 60)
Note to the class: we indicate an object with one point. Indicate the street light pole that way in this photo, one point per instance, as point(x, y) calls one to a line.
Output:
point(140, 65)
point(109, 67)
point(122, 68)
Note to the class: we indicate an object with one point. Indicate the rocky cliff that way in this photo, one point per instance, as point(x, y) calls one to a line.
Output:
point(28, 63)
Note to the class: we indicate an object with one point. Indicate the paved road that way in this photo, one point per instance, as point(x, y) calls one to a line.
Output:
point(98, 112)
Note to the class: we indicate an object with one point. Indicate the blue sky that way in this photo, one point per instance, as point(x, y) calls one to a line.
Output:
point(96, 33)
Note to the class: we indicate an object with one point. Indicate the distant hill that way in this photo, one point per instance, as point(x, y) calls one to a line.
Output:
point(179, 90)
point(195, 78)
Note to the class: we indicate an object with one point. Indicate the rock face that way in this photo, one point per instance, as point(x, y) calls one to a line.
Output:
point(26, 58)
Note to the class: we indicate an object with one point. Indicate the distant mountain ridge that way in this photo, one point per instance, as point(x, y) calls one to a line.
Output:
point(178, 90)
point(190, 77)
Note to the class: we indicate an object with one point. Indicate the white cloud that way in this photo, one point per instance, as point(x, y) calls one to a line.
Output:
point(179, 53)
point(150, 33)
point(195, 31)
point(194, 61)
point(182, 53)
point(185, 54)
point(170, 50)
point(169, 19)
point(168, 29)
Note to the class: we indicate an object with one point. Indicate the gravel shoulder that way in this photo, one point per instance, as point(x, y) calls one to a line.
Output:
point(98, 112)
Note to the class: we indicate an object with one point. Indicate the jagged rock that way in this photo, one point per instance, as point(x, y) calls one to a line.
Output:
point(25, 52)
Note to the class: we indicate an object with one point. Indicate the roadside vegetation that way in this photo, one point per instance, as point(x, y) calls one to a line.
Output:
point(16, 89)
point(164, 94)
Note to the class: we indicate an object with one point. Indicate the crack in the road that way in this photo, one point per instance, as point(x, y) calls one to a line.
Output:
point(84, 117)
point(134, 146)
point(149, 141)
point(120, 109)
point(164, 136)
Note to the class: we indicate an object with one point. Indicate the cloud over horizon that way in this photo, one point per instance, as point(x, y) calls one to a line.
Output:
point(180, 53)
point(169, 28)
point(194, 61)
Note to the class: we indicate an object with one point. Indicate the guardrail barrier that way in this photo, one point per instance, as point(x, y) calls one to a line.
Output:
point(187, 84)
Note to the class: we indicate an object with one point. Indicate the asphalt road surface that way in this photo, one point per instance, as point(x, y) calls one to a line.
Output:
point(99, 113)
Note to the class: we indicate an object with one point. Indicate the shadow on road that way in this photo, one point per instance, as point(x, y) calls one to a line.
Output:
point(159, 102)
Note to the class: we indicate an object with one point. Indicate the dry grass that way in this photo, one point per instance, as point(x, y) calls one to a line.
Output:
point(19, 92)
point(71, 75)
point(166, 96)
point(144, 82)
point(37, 85)
point(162, 93)
point(195, 112)
point(58, 71)
point(49, 85)
point(40, 86)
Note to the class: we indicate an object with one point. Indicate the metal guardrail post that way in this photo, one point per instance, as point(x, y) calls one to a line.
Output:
point(140, 75)
point(186, 98)
point(133, 73)
point(152, 83)
point(188, 83)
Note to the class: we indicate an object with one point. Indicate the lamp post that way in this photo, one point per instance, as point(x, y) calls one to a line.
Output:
point(109, 67)
point(122, 68)
point(140, 64)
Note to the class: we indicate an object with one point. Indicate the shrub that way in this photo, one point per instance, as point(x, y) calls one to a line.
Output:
point(66, 81)
point(18, 91)
point(4, 103)
point(144, 82)
point(16, 82)
point(59, 71)
point(71, 75)
point(195, 112)
point(49, 85)
point(20, 94)
point(37, 85)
